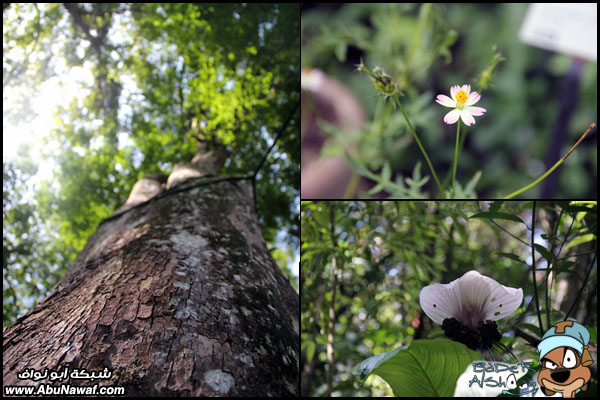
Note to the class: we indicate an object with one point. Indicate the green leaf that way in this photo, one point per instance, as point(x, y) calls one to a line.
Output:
point(322, 217)
point(424, 368)
point(512, 257)
point(340, 52)
point(497, 215)
point(495, 206)
point(310, 351)
point(360, 169)
point(378, 188)
point(582, 239)
point(386, 173)
point(544, 252)
point(564, 266)
point(470, 188)
point(355, 167)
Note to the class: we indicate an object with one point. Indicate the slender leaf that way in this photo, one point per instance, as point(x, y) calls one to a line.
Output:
point(497, 215)
point(512, 257)
point(544, 252)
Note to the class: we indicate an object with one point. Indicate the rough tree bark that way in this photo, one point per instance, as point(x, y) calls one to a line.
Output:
point(177, 296)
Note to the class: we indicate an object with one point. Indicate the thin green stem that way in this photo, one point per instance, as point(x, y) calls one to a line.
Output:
point(541, 178)
point(538, 180)
point(460, 147)
point(455, 156)
point(352, 185)
point(437, 182)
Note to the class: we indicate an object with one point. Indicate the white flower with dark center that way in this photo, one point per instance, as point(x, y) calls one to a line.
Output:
point(470, 299)
point(467, 308)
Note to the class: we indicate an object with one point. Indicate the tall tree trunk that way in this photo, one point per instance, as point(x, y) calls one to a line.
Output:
point(176, 296)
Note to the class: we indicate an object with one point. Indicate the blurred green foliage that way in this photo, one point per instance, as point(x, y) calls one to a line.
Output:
point(386, 252)
point(430, 47)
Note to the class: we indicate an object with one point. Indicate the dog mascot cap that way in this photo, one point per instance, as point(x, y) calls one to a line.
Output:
point(567, 334)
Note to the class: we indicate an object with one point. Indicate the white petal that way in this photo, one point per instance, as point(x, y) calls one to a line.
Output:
point(473, 98)
point(452, 117)
point(502, 302)
point(453, 90)
point(467, 118)
point(474, 294)
point(475, 111)
point(445, 101)
point(466, 88)
point(470, 299)
point(487, 299)
point(440, 301)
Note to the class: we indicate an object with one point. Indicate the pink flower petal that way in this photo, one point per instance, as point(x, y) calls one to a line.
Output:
point(452, 117)
point(467, 118)
point(445, 101)
point(465, 112)
point(453, 90)
point(473, 98)
point(476, 111)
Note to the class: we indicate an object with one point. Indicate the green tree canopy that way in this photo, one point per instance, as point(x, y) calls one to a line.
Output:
point(151, 78)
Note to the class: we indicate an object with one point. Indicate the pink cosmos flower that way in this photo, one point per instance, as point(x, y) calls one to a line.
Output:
point(462, 100)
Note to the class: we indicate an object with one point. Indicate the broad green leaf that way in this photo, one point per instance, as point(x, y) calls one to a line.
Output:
point(424, 368)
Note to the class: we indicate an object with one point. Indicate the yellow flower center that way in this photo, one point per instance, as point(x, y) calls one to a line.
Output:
point(461, 97)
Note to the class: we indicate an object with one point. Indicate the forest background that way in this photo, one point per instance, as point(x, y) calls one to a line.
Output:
point(363, 265)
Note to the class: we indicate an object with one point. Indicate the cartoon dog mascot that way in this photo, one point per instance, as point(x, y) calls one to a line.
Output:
point(564, 358)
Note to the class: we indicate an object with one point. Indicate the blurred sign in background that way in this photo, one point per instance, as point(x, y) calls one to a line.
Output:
point(570, 29)
point(564, 28)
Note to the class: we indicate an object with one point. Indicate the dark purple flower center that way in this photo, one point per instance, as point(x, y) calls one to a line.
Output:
point(484, 336)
